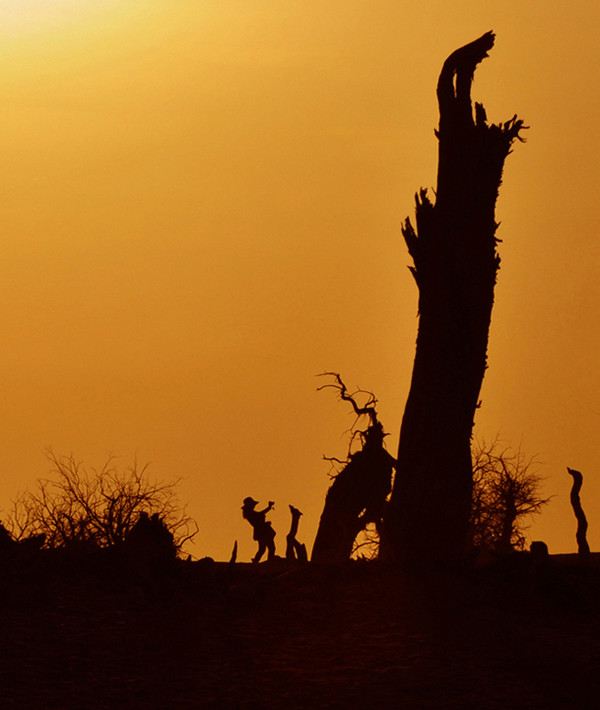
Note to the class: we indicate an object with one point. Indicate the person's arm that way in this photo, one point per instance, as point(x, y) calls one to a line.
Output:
point(268, 508)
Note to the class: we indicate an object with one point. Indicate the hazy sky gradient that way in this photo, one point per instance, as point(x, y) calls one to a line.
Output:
point(201, 206)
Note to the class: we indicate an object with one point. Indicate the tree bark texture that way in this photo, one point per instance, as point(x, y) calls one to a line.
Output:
point(453, 247)
point(581, 534)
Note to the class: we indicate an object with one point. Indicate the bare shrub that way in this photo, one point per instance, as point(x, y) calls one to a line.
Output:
point(98, 507)
point(506, 492)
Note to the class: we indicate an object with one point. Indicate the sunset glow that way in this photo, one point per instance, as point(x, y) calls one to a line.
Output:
point(201, 212)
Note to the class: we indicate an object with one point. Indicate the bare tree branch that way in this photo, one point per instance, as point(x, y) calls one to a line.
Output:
point(367, 409)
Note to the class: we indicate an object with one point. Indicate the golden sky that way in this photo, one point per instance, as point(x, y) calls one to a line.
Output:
point(201, 209)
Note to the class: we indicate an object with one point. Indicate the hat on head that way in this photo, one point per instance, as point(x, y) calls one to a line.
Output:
point(249, 502)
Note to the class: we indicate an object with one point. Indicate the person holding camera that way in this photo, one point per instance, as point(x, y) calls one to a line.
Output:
point(263, 531)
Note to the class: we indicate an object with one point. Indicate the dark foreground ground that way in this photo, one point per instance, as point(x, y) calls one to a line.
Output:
point(274, 637)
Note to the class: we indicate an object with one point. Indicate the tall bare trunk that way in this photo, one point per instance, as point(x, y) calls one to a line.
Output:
point(455, 262)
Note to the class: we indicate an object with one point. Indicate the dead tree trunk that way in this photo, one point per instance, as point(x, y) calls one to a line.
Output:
point(295, 550)
point(581, 535)
point(358, 493)
point(455, 263)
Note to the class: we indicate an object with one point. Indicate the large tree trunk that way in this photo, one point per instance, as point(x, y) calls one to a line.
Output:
point(455, 262)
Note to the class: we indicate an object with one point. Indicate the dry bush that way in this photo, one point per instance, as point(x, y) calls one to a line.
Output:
point(98, 507)
point(506, 492)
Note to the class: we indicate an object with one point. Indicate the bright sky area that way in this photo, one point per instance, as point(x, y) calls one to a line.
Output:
point(201, 211)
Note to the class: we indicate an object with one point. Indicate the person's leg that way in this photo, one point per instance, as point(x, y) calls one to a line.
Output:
point(271, 548)
point(261, 551)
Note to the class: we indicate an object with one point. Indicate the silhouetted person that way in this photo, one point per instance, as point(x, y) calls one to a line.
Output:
point(263, 532)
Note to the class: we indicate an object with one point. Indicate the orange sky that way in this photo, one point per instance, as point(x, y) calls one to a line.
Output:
point(201, 209)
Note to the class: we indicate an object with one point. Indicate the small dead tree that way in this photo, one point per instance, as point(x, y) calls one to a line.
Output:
point(99, 508)
point(581, 534)
point(358, 493)
point(295, 550)
point(506, 492)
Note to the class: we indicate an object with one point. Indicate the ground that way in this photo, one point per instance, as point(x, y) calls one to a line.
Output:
point(272, 636)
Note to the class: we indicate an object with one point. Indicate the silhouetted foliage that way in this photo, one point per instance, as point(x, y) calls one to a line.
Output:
point(98, 508)
point(149, 553)
point(581, 534)
point(150, 536)
point(506, 492)
point(453, 247)
point(359, 491)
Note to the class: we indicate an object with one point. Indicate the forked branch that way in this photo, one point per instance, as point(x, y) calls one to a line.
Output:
point(367, 409)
